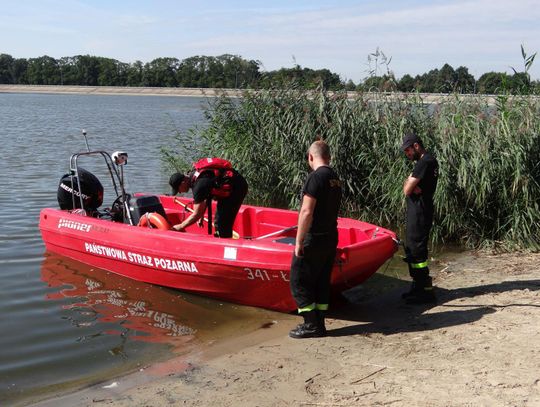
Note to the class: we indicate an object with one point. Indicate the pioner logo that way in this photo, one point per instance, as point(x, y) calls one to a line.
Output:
point(69, 224)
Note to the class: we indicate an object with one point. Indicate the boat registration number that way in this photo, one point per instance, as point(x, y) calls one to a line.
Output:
point(265, 275)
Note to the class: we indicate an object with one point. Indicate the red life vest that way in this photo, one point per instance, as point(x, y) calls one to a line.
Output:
point(223, 174)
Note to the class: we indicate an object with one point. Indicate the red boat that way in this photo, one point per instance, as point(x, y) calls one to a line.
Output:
point(252, 269)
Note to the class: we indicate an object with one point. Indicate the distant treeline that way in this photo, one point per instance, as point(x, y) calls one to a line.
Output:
point(232, 71)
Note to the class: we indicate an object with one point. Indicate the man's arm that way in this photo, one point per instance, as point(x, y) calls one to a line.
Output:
point(305, 217)
point(198, 213)
point(410, 186)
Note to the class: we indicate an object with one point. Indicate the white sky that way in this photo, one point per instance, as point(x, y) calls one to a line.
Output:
point(483, 35)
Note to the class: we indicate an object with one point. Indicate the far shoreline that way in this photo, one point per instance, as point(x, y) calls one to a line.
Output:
point(215, 92)
point(120, 90)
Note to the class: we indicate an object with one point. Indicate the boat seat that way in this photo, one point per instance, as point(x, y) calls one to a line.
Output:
point(139, 205)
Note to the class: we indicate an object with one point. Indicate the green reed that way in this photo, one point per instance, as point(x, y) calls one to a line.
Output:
point(489, 185)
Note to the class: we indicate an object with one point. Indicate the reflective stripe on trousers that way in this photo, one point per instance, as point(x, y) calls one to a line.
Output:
point(311, 307)
point(421, 265)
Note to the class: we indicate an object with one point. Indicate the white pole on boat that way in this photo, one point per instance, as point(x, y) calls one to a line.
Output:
point(85, 139)
point(279, 232)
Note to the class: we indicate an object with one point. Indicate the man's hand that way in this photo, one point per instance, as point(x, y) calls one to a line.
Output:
point(299, 250)
point(305, 217)
point(410, 186)
point(179, 228)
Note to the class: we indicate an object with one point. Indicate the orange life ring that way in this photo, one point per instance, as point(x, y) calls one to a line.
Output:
point(154, 220)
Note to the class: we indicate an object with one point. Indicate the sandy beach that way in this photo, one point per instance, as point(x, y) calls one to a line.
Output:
point(118, 90)
point(478, 346)
point(208, 92)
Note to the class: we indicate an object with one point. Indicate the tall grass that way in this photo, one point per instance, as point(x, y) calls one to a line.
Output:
point(489, 185)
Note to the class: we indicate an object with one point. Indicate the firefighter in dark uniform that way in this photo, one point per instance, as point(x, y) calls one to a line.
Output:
point(204, 189)
point(316, 243)
point(419, 189)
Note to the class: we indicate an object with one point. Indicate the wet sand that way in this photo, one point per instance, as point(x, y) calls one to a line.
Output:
point(478, 346)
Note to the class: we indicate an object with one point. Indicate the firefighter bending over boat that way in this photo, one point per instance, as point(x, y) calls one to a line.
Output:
point(419, 189)
point(316, 243)
point(212, 178)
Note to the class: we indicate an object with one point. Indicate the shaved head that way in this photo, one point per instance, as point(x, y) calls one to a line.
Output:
point(320, 149)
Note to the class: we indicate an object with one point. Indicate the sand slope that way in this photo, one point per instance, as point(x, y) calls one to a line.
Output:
point(480, 346)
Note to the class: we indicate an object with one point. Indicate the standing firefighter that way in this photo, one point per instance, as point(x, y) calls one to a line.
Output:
point(419, 188)
point(316, 243)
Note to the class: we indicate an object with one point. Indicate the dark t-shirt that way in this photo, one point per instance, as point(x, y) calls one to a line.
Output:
point(426, 170)
point(202, 188)
point(324, 185)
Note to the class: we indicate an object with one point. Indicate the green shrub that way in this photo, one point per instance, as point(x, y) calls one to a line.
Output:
point(488, 193)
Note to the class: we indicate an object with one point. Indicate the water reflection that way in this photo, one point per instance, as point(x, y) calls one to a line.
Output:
point(88, 325)
point(130, 309)
point(142, 311)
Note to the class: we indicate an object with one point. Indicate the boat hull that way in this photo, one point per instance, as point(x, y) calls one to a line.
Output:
point(244, 271)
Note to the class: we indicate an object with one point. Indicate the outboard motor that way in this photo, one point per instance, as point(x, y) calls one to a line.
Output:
point(69, 196)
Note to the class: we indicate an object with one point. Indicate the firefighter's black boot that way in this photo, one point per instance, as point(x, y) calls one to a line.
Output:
point(320, 321)
point(310, 328)
point(413, 290)
point(423, 289)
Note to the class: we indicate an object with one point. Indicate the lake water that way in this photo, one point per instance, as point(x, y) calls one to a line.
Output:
point(64, 324)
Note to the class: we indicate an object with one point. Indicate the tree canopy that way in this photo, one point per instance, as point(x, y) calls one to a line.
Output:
point(235, 72)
